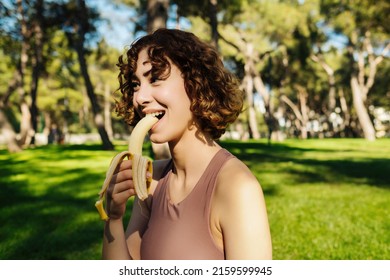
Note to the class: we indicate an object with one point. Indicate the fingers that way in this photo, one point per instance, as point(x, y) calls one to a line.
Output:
point(120, 189)
point(122, 180)
point(122, 193)
point(123, 173)
point(117, 196)
point(123, 165)
point(121, 176)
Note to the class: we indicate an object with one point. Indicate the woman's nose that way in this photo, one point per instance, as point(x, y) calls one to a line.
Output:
point(143, 95)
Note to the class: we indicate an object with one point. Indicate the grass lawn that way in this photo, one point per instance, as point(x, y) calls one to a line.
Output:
point(326, 199)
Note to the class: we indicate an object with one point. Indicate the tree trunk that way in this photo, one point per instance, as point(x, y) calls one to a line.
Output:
point(361, 110)
point(249, 88)
point(84, 112)
point(213, 10)
point(78, 44)
point(301, 121)
point(9, 133)
point(48, 124)
point(98, 117)
point(157, 14)
point(5, 126)
point(304, 111)
point(270, 120)
point(25, 123)
point(345, 127)
point(252, 121)
point(362, 80)
point(331, 80)
point(107, 111)
point(37, 67)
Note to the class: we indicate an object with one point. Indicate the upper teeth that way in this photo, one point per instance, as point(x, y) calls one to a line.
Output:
point(155, 114)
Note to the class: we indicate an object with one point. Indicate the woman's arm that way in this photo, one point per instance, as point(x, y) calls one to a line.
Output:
point(242, 214)
point(118, 244)
point(114, 241)
point(120, 189)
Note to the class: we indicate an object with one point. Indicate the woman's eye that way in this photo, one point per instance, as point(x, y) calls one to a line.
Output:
point(134, 85)
point(154, 79)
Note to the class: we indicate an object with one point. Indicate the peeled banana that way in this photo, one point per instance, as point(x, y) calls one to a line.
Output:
point(140, 164)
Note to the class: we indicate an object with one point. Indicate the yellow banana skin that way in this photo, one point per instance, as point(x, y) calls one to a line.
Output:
point(140, 164)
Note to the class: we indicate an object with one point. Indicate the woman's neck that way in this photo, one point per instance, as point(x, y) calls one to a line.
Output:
point(192, 155)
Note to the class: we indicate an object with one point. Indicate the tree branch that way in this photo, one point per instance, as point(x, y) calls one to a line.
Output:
point(294, 107)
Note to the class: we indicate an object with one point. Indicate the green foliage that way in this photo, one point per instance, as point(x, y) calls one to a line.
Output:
point(326, 199)
point(5, 71)
point(358, 16)
point(227, 9)
point(380, 92)
point(284, 34)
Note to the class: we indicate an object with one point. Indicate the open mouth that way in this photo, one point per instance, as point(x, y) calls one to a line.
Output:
point(158, 115)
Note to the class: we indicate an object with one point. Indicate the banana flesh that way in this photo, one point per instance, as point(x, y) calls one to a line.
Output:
point(140, 164)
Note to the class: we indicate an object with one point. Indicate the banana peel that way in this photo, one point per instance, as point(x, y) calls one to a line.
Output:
point(140, 164)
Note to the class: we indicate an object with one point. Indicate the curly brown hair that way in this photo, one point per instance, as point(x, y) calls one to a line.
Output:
point(214, 93)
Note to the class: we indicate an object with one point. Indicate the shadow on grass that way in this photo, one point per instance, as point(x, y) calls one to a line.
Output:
point(48, 211)
point(48, 225)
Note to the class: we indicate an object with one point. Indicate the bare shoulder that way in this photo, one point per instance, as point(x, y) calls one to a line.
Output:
point(239, 211)
point(235, 178)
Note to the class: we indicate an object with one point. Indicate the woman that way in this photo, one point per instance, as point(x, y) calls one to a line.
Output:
point(204, 203)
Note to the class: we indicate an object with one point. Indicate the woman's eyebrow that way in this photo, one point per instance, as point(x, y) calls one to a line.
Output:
point(134, 78)
point(147, 73)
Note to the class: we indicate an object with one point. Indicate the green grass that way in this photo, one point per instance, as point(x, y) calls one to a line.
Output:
point(326, 199)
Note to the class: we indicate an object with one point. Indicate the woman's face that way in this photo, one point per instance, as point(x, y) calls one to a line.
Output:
point(168, 96)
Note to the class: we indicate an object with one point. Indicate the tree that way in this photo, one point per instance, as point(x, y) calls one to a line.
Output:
point(36, 22)
point(77, 25)
point(260, 33)
point(336, 108)
point(365, 25)
point(208, 10)
point(28, 33)
point(37, 62)
point(157, 14)
point(5, 125)
point(25, 35)
point(104, 75)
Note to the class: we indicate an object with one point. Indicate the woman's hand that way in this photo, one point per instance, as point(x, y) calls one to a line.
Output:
point(121, 188)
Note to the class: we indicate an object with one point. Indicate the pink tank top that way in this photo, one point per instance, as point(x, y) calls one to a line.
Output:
point(182, 231)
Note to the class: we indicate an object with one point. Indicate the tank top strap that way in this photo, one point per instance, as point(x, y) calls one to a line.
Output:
point(209, 178)
point(215, 165)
